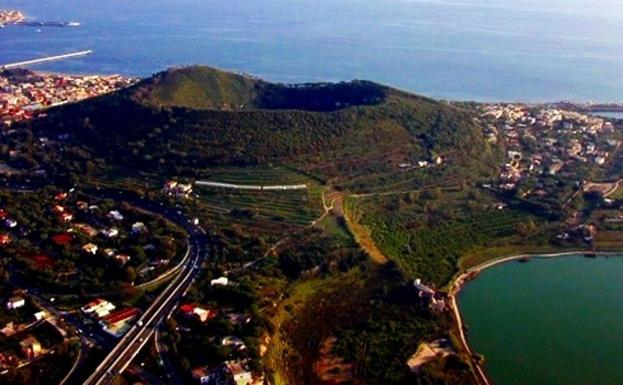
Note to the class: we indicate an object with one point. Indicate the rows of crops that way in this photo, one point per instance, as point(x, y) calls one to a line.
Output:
point(254, 175)
point(298, 208)
point(432, 252)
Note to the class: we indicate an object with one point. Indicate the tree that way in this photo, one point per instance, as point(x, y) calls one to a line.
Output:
point(130, 274)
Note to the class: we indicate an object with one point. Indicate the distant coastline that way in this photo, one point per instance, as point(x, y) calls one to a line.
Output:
point(16, 17)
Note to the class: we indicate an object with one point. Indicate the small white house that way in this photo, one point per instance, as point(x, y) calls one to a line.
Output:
point(222, 281)
point(110, 233)
point(15, 303)
point(115, 215)
point(138, 227)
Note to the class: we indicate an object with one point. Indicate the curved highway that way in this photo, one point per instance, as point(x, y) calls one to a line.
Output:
point(163, 306)
point(131, 343)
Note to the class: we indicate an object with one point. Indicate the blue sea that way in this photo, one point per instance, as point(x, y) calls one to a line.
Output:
point(486, 50)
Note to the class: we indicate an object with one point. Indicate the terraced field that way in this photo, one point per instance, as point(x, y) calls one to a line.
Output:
point(254, 176)
point(292, 207)
point(268, 212)
point(430, 247)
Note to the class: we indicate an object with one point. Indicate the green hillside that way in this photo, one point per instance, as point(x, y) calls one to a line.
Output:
point(197, 87)
point(356, 134)
point(213, 89)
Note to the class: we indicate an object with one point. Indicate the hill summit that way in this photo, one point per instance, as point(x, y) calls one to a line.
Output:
point(356, 134)
point(210, 88)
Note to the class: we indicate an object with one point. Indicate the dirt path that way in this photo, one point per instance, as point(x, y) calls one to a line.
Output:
point(362, 236)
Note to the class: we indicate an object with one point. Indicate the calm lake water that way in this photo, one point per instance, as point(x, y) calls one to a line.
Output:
point(549, 322)
point(534, 50)
point(614, 115)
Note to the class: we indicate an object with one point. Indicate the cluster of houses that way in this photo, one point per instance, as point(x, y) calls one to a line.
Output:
point(22, 329)
point(66, 216)
point(24, 94)
point(174, 188)
point(114, 322)
point(11, 16)
point(545, 141)
point(229, 372)
point(436, 300)
point(94, 231)
point(234, 371)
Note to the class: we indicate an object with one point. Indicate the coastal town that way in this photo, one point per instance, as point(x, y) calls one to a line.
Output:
point(543, 142)
point(11, 16)
point(24, 93)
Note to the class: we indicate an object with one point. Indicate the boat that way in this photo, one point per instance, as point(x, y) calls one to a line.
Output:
point(524, 259)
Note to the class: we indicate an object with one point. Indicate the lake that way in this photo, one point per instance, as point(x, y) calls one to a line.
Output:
point(548, 322)
point(484, 50)
point(610, 114)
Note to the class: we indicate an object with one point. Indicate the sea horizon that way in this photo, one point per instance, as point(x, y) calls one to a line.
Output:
point(454, 50)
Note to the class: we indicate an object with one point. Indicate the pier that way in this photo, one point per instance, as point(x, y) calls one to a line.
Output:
point(45, 59)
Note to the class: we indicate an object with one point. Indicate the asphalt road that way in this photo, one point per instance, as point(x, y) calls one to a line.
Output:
point(122, 354)
point(131, 343)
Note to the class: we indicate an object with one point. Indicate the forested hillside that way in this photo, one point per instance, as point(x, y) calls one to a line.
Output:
point(358, 134)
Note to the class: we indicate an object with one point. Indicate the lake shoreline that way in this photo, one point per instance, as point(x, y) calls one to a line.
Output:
point(463, 279)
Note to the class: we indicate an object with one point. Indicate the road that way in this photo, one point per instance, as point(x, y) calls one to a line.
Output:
point(129, 346)
point(251, 187)
point(122, 354)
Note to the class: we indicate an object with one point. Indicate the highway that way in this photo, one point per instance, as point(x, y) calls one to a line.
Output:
point(129, 346)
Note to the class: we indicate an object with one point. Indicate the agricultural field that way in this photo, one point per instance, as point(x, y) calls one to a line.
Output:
point(253, 175)
point(618, 193)
point(268, 211)
point(426, 233)
point(124, 179)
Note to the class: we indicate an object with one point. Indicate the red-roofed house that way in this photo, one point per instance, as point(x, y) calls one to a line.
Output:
point(67, 217)
point(117, 323)
point(60, 196)
point(193, 310)
point(187, 308)
point(62, 239)
point(5, 239)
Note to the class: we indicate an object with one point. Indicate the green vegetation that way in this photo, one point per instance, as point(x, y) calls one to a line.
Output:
point(296, 207)
point(209, 88)
point(415, 177)
point(46, 248)
point(372, 319)
point(426, 233)
point(359, 145)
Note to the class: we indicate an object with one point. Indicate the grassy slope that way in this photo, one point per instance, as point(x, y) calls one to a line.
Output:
point(355, 134)
point(197, 87)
